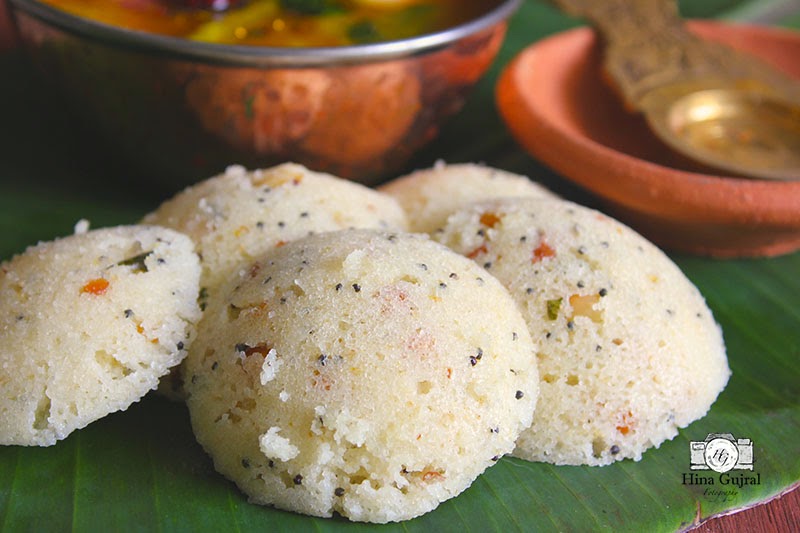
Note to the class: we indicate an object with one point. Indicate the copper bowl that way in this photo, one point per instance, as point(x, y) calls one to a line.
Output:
point(182, 110)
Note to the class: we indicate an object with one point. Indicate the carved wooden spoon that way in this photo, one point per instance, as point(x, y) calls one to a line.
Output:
point(718, 106)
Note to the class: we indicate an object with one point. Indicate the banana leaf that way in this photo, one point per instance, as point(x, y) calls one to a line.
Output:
point(142, 470)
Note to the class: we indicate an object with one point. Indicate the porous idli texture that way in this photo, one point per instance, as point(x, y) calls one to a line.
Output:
point(236, 216)
point(628, 350)
point(88, 325)
point(430, 195)
point(360, 372)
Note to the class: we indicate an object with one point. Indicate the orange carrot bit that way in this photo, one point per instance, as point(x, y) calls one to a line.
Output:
point(625, 426)
point(280, 243)
point(96, 286)
point(477, 251)
point(542, 251)
point(140, 331)
point(489, 219)
point(432, 476)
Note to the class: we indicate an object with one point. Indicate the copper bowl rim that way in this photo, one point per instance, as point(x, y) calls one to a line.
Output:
point(262, 55)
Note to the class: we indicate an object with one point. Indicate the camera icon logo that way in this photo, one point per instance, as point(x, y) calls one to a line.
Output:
point(721, 452)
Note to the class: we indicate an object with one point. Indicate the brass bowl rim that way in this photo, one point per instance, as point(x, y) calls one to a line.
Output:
point(262, 56)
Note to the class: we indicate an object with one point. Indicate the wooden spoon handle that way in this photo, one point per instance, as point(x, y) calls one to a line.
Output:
point(648, 48)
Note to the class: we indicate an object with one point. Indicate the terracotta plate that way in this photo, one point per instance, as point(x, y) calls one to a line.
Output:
point(558, 105)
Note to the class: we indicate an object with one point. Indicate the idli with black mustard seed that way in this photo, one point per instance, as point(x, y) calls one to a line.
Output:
point(360, 372)
point(88, 325)
point(628, 350)
point(430, 195)
point(239, 214)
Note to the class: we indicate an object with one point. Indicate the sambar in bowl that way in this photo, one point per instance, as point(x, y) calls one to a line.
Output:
point(184, 88)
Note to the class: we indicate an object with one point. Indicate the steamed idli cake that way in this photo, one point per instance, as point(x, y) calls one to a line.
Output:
point(360, 372)
point(628, 350)
point(88, 324)
point(430, 195)
point(237, 215)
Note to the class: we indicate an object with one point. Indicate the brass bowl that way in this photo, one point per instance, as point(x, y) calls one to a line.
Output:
point(182, 110)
